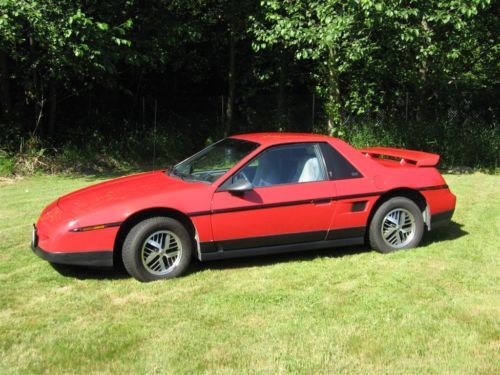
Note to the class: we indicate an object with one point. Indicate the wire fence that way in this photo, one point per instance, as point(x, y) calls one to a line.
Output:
point(465, 132)
point(297, 112)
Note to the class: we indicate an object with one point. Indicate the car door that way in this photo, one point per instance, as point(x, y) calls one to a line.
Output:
point(290, 201)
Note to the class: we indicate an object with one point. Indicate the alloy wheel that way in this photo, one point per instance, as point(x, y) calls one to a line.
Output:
point(161, 252)
point(398, 228)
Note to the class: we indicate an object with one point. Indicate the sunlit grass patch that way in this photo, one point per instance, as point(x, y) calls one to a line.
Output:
point(434, 309)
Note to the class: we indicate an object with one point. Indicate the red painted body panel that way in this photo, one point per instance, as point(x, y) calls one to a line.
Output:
point(439, 200)
point(344, 216)
point(421, 159)
point(319, 206)
point(305, 217)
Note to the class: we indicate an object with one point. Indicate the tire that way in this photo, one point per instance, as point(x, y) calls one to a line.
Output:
point(397, 224)
point(145, 252)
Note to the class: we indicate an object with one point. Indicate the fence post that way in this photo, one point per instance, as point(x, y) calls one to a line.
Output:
point(222, 112)
point(154, 134)
point(143, 113)
point(313, 109)
point(406, 107)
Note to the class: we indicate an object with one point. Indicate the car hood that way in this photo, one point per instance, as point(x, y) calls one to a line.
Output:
point(119, 190)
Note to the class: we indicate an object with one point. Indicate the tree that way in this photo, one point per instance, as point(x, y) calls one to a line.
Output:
point(368, 52)
point(50, 42)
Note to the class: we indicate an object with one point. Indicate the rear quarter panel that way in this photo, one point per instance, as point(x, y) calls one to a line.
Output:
point(381, 176)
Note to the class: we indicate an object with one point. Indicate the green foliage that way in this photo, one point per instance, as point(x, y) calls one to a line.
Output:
point(6, 164)
point(31, 157)
point(369, 53)
point(69, 68)
point(58, 41)
point(480, 148)
point(133, 150)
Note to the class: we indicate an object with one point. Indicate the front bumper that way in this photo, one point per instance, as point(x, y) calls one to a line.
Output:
point(102, 258)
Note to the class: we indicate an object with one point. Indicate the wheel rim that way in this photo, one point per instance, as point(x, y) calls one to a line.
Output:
point(398, 228)
point(161, 252)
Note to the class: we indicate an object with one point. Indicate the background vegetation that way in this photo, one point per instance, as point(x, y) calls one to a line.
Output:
point(97, 83)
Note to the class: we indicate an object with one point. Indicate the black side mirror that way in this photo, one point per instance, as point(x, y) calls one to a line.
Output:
point(239, 187)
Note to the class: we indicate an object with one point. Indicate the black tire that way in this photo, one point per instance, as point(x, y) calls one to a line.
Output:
point(133, 252)
point(405, 205)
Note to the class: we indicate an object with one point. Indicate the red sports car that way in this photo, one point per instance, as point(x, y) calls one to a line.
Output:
point(248, 195)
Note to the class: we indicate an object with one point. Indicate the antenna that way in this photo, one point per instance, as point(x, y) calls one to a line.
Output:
point(154, 135)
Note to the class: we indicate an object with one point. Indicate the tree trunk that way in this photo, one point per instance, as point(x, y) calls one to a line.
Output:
point(52, 109)
point(36, 94)
point(423, 75)
point(281, 96)
point(135, 100)
point(39, 106)
point(231, 84)
point(333, 109)
point(5, 100)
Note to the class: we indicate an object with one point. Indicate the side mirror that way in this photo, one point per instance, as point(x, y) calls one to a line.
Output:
point(239, 187)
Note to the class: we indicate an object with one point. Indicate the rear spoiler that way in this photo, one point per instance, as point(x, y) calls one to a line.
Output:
point(418, 158)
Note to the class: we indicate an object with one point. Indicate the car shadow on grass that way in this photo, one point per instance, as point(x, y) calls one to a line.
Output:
point(119, 272)
point(448, 233)
point(91, 273)
point(267, 260)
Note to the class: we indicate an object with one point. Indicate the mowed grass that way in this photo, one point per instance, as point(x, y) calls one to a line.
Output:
point(435, 309)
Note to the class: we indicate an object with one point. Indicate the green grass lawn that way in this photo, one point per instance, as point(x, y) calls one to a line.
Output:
point(435, 309)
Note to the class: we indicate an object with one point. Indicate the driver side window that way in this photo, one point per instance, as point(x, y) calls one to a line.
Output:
point(287, 164)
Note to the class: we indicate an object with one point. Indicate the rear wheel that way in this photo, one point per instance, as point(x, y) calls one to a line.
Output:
point(397, 224)
point(157, 248)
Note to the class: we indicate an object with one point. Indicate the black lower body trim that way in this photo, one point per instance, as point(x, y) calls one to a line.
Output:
point(266, 241)
point(83, 258)
point(340, 234)
point(440, 219)
point(281, 239)
point(207, 247)
point(288, 248)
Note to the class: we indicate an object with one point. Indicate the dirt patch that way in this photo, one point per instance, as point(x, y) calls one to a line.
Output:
point(9, 180)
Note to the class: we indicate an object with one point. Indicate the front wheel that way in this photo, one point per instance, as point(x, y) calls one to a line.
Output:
point(157, 248)
point(397, 224)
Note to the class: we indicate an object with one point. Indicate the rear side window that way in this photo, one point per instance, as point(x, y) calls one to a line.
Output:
point(338, 166)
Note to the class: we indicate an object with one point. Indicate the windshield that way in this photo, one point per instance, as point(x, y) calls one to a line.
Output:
point(215, 160)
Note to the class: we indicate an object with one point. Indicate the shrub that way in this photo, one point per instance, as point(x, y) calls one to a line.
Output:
point(6, 164)
point(459, 144)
